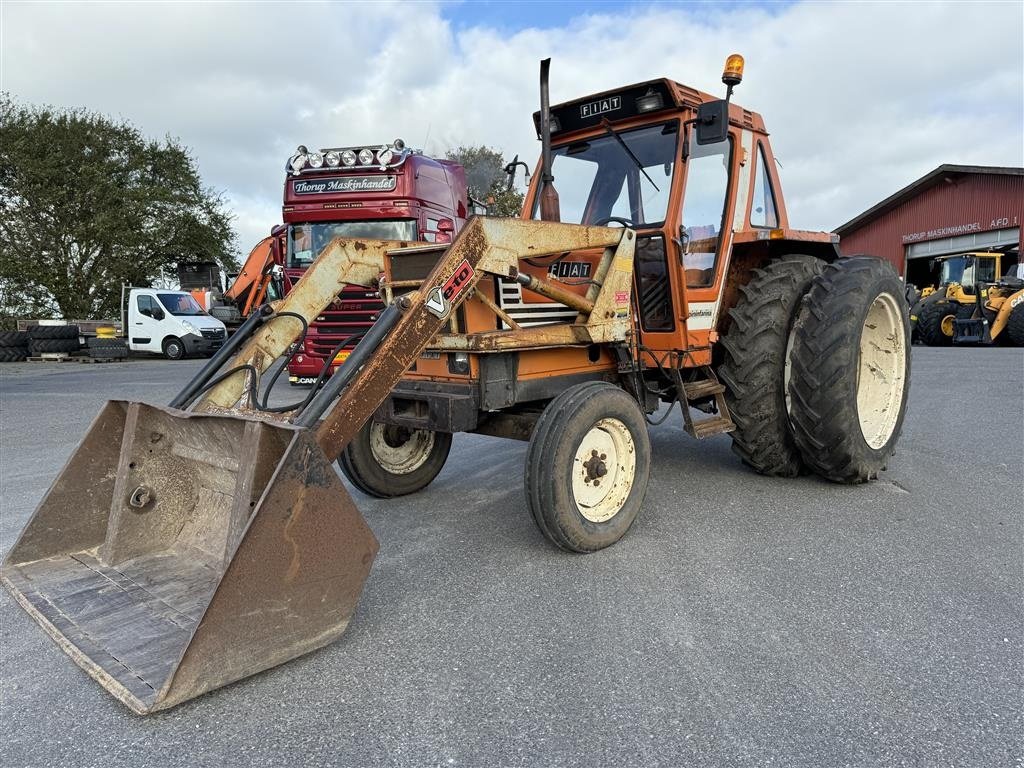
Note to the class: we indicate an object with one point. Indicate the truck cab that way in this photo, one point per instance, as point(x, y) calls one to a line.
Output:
point(388, 192)
point(170, 323)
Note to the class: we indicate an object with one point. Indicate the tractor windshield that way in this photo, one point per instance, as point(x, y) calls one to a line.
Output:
point(305, 241)
point(598, 180)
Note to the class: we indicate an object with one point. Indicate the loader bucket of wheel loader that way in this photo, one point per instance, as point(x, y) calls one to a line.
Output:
point(178, 552)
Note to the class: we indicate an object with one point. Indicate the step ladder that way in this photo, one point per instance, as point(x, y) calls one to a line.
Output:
point(699, 390)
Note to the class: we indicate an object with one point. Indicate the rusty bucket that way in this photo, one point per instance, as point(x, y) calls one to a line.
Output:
point(178, 552)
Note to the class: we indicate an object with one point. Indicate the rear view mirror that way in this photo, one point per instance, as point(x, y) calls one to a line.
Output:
point(712, 122)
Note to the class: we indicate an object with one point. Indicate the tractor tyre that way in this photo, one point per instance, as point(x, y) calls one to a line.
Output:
point(1014, 328)
point(755, 368)
point(935, 322)
point(387, 461)
point(13, 339)
point(851, 370)
point(174, 348)
point(13, 354)
point(587, 467)
point(53, 332)
point(41, 346)
point(104, 342)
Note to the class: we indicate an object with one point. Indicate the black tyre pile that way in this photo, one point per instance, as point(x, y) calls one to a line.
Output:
point(50, 339)
point(13, 346)
point(106, 349)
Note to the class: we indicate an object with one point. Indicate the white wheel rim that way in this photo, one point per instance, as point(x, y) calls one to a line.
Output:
point(399, 450)
point(882, 370)
point(603, 470)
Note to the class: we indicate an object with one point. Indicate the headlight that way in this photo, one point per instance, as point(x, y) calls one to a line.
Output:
point(190, 328)
point(384, 155)
point(348, 157)
point(316, 160)
point(332, 158)
point(365, 156)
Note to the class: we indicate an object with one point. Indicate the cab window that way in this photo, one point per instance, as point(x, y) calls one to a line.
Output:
point(762, 209)
point(707, 185)
point(146, 305)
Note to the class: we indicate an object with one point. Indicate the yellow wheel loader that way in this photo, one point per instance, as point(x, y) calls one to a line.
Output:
point(962, 280)
point(186, 546)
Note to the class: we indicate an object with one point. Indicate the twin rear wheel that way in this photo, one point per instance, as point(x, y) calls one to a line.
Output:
point(817, 367)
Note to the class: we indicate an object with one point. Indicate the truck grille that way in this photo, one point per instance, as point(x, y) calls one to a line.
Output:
point(215, 333)
point(351, 314)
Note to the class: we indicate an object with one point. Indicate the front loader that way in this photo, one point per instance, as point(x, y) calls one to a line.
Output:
point(187, 546)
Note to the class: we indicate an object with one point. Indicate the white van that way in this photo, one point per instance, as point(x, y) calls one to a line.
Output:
point(170, 323)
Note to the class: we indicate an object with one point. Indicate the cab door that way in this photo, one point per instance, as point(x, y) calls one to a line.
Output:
point(146, 326)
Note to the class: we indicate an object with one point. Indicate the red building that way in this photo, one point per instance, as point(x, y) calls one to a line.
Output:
point(953, 209)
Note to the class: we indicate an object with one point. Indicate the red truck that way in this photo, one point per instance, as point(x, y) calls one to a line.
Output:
point(388, 192)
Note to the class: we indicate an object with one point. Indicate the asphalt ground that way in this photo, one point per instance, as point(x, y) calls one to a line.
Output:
point(742, 621)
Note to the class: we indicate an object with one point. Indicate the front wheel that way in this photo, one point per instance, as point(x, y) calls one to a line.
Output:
point(851, 370)
point(587, 467)
point(174, 348)
point(385, 461)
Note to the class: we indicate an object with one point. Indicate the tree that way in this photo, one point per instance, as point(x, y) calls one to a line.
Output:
point(485, 176)
point(87, 204)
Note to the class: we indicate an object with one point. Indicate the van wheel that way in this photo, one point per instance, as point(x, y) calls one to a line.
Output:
point(387, 461)
point(174, 348)
point(851, 370)
point(587, 467)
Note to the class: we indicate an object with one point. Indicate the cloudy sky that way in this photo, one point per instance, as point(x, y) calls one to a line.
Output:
point(861, 98)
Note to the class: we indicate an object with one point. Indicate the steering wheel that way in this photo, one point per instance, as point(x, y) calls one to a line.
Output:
point(617, 219)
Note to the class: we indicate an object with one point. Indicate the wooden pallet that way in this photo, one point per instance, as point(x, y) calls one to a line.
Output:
point(53, 357)
point(101, 359)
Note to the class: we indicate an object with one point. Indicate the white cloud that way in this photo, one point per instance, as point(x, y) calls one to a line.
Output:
point(860, 98)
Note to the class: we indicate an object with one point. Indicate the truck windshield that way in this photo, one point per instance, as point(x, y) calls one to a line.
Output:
point(305, 241)
point(180, 304)
point(597, 179)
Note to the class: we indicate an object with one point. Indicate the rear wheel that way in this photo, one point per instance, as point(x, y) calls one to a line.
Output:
point(755, 369)
point(387, 461)
point(587, 467)
point(935, 322)
point(174, 348)
point(851, 370)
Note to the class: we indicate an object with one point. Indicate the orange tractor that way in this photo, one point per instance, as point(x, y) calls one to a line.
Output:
point(187, 546)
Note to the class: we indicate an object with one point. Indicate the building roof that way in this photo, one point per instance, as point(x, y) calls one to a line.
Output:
point(915, 188)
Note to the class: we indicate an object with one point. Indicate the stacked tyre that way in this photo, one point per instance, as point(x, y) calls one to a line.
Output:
point(105, 348)
point(13, 346)
point(52, 339)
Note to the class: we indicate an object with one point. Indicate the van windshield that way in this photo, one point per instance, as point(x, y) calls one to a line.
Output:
point(305, 241)
point(180, 304)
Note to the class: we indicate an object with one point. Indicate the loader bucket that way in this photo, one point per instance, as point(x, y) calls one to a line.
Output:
point(176, 552)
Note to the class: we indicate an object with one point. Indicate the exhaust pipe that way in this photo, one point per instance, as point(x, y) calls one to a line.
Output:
point(548, 196)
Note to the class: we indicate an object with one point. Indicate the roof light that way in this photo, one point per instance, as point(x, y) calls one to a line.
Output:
point(365, 156)
point(348, 157)
point(650, 101)
point(316, 160)
point(332, 158)
point(399, 145)
point(733, 73)
point(384, 156)
point(298, 161)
